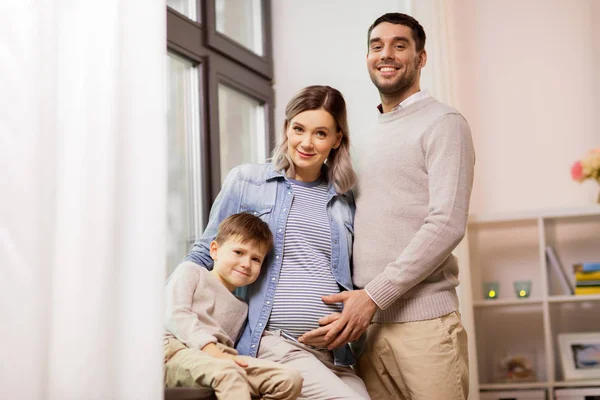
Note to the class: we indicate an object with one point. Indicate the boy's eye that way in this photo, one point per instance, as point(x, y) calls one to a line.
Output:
point(256, 260)
point(238, 252)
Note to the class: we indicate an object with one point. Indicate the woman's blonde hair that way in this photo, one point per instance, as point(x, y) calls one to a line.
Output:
point(341, 173)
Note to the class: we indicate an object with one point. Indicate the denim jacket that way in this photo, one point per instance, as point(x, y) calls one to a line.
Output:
point(264, 192)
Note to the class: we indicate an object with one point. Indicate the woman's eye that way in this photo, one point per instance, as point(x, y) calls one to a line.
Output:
point(321, 134)
point(297, 129)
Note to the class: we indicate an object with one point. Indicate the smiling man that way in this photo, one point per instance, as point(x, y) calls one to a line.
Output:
point(415, 174)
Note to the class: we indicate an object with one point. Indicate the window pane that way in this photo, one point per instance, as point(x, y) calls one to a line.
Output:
point(242, 131)
point(184, 211)
point(241, 20)
point(185, 7)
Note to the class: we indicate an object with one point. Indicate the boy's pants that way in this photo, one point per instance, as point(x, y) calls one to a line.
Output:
point(418, 360)
point(192, 368)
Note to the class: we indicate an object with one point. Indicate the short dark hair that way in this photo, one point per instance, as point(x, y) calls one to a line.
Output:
point(402, 19)
point(245, 227)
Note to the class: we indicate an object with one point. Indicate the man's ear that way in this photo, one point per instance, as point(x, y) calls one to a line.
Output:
point(422, 59)
point(214, 248)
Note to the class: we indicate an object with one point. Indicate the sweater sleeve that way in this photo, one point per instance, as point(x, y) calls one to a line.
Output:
point(450, 160)
point(193, 328)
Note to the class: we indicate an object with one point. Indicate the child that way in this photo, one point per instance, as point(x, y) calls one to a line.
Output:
point(204, 318)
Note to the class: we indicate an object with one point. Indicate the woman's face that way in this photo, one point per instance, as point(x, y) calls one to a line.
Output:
point(311, 136)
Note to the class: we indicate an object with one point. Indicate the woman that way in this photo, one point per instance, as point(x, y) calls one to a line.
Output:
point(304, 196)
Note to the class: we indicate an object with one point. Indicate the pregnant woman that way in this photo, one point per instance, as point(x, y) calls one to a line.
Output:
point(304, 195)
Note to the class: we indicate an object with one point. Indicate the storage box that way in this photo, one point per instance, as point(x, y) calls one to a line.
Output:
point(514, 395)
point(578, 394)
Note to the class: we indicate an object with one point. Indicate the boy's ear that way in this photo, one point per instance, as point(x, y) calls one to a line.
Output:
point(214, 247)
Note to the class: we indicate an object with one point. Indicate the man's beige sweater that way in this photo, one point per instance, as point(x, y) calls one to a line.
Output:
point(415, 173)
point(200, 310)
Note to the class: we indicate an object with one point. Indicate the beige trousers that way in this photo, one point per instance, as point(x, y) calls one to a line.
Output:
point(261, 378)
point(421, 360)
point(322, 378)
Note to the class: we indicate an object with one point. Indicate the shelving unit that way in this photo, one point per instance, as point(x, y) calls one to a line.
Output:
point(505, 248)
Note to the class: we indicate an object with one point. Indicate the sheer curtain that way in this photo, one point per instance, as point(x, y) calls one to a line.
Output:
point(83, 178)
point(437, 17)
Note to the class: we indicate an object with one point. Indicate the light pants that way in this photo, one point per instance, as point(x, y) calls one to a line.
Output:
point(194, 368)
point(421, 360)
point(322, 379)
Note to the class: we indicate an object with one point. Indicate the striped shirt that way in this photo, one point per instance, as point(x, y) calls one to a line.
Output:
point(306, 266)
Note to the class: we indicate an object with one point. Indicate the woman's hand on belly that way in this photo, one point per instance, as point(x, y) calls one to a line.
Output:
point(316, 337)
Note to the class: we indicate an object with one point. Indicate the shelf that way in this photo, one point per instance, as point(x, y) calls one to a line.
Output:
point(476, 219)
point(506, 302)
point(582, 383)
point(573, 298)
point(514, 385)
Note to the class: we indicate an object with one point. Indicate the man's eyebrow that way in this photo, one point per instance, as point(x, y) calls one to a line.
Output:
point(394, 39)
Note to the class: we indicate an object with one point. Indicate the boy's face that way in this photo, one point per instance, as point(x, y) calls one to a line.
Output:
point(236, 263)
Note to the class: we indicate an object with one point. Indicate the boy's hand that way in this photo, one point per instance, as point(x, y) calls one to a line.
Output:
point(213, 350)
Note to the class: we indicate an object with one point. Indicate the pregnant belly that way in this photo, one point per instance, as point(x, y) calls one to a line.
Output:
point(296, 314)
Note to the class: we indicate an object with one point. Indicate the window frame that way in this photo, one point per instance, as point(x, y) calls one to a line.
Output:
point(230, 64)
point(236, 51)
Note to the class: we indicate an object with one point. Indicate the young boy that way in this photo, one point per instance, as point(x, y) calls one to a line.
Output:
point(203, 319)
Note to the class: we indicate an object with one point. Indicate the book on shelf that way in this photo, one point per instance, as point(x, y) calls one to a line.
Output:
point(587, 276)
point(561, 275)
point(587, 283)
point(583, 290)
point(587, 267)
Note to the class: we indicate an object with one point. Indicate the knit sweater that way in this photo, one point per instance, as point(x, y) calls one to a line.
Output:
point(415, 173)
point(200, 310)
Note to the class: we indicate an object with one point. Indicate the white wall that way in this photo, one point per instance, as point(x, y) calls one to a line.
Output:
point(325, 42)
point(525, 76)
point(527, 81)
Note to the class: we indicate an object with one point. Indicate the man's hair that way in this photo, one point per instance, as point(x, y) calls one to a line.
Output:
point(245, 227)
point(418, 32)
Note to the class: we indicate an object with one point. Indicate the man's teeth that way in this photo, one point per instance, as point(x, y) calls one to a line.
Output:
point(387, 69)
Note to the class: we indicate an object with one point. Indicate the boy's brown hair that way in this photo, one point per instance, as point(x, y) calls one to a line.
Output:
point(245, 227)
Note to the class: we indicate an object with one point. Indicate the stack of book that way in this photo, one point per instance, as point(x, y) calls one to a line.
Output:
point(587, 278)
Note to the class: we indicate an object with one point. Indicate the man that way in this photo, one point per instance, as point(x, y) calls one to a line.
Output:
point(415, 173)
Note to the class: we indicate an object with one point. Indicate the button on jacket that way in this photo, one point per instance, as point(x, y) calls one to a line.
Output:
point(266, 193)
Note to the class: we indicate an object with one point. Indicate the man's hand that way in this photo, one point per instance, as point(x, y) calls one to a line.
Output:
point(213, 350)
point(316, 337)
point(358, 312)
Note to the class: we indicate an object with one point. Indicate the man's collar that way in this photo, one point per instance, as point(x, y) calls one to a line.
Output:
point(413, 98)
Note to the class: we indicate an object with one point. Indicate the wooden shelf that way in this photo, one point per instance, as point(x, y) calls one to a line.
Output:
point(573, 299)
point(515, 385)
point(531, 215)
point(510, 247)
point(506, 302)
point(582, 383)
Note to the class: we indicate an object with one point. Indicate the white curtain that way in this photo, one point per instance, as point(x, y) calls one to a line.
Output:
point(83, 189)
point(436, 18)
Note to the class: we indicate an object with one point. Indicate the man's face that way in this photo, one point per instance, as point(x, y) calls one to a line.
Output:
point(393, 61)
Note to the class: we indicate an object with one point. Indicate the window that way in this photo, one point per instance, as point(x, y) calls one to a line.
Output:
point(185, 7)
point(241, 129)
point(242, 22)
point(220, 105)
point(184, 183)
